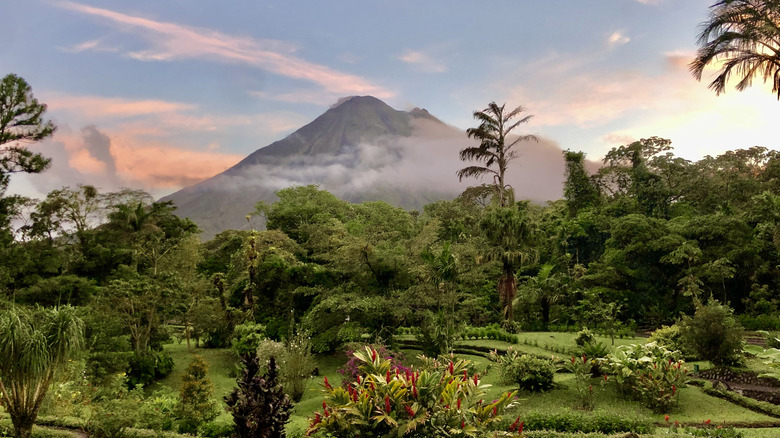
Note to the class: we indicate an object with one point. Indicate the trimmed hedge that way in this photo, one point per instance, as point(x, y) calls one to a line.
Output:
point(573, 423)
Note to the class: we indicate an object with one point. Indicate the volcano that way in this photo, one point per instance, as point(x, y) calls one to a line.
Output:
point(360, 149)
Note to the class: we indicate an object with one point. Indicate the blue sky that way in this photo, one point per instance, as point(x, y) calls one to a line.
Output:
point(161, 94)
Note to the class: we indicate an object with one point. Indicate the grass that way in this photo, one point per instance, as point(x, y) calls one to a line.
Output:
point(221, 362)
point(695, 406)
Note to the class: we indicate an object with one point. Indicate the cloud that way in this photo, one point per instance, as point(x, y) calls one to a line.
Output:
point(98, 145)
point(422, 62)
point(425, 162)
point(618, 38)
point(169, 41)
point(97, 107)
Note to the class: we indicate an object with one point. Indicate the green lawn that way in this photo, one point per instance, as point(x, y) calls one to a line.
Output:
point(695, 406)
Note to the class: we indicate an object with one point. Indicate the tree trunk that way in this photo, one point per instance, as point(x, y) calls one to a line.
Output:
point(545, 304)
point(507, 289)
point(23, 425)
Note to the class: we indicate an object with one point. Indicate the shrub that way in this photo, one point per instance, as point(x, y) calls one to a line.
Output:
point(195, 405)
point(216, 429)
point(671, 338)
point(146, 368)
point(528, 372)
point(296, 364)
point(247, 337)
point(268, 349)
point(259, 405)
point(157, 412)
point(351, 369)
point(713, 334)
point(114, 409)
point(649, 373)
point(582, 370)
point(584, 337)
point(441, 397)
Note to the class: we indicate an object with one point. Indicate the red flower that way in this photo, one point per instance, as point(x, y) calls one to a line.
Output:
point(605, 377)
point(520, 428)
point(373, 354)
point(708, 421)
point(327, 384)
point(387, 376)
point(324, 405)
point(452, 368)
point(458, 404)
point(414, 391)
point(387, 404)
point(317, 418)
point(584, 359)
point(476, 379)
point(373, 387)
point(465, 375)
point(666, 418)
point(514, 425)
point(462, 424)
point(409, 410)
point(674, 389)
point(495, 410)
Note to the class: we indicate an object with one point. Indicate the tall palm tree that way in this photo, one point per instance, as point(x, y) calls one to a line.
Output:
point(495, 150)
point(34, 345)
point(745, 35)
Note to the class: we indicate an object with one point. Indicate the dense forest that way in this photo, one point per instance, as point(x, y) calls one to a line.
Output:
point(633, 246)
point(114, 277)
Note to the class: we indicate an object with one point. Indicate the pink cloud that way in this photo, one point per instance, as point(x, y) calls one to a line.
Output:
point(97, 107)
point(170, 41)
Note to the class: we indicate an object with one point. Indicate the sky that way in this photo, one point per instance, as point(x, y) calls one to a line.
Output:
point(162, 94)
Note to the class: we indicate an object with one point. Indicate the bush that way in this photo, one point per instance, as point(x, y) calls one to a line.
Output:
point(156, 413)
point(296, 364)
point(713, 334)
point(216, 429)
point(195, 405)
point(584, 337)
point(527, 372)
point(440, 396)
point(259, 405)
point(351, 369)
point(671, 338)
point(571, 422)
point(649, 373)
point(146, 368)
point(247, 337)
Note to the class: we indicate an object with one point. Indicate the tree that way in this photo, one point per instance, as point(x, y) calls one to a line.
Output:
point(493, 150)
point(509, 232)
point(745, 35)
point(578, 189)
point(195, 405)
point(34, 345)
point(546, 288)
point(21, 120)
point(259, 405)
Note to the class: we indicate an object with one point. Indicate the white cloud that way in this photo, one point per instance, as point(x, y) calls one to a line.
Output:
point(422, 62)
point(617, 38)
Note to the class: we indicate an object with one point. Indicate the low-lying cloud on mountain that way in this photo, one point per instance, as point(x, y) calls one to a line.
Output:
point(362, 150)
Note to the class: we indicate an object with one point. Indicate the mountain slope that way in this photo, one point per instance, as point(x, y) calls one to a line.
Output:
point(360, 150)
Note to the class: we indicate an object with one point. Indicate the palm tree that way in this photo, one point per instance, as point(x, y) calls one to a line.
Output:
point(33, 346)
point(493, 151)
point(546, 288)
point(745, 35)
point(509, 232)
